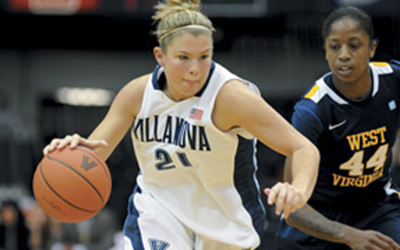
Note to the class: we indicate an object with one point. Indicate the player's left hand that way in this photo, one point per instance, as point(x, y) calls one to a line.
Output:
point(367, 240)
point(286, 197)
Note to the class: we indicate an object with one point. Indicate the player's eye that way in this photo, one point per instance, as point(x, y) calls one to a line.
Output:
point(334, 46)
point(354, 45)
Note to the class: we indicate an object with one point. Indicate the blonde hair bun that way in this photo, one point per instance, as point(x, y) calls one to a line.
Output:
point(177, 16)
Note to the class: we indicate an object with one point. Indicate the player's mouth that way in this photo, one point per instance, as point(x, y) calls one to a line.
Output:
point(190, 82)
point(345, 70)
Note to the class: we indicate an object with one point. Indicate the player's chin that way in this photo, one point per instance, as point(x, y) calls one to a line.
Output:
point(190, 92)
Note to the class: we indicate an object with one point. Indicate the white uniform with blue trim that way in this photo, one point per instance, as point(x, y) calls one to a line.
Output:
point(199, 175)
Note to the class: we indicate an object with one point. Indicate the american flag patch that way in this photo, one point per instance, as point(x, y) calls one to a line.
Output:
point(196, 114)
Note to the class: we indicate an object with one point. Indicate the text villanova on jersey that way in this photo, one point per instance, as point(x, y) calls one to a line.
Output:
point(176, 131)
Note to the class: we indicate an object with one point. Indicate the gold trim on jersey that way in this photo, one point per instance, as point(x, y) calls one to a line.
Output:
point(312, 91)
point(382, 68)
point(380, 64)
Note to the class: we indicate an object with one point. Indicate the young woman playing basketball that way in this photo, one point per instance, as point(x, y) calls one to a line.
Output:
point(193, 125)
point(352, 114)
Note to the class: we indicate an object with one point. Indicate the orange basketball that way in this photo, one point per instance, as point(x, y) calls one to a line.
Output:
point(72, 185)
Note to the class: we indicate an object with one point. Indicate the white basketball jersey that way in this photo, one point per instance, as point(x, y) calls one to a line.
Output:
point(203, 176)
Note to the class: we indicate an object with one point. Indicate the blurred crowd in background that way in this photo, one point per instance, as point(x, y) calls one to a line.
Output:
point(274, 43)
point(23, 226)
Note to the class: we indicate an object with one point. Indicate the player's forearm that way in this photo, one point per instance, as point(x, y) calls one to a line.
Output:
point(304, 169)
point(315, 224)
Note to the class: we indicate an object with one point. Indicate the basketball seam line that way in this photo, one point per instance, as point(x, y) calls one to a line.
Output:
point(62, 198)
point(83, 177)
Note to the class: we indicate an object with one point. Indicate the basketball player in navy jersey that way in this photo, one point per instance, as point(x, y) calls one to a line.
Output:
point(193, 125)
point(352, 115)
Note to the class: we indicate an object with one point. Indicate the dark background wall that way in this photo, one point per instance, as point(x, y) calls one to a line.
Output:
point(105, 43)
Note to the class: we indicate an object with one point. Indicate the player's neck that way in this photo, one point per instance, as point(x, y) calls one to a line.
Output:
point(356, 91)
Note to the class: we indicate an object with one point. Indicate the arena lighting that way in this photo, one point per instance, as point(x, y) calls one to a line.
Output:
point(84, 96)
point(54, 7)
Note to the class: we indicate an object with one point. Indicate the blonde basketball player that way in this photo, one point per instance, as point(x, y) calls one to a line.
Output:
point(194, 126)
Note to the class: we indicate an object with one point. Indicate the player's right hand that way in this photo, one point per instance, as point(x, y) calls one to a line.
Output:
point(286, 197)
point(368, 240)
point(73, 141)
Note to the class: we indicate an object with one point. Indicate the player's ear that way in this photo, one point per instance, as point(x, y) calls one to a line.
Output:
point(325, 51)
point(158, 54)
point(372, 48)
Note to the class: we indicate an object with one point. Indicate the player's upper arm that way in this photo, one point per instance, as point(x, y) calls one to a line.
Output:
point(305, 120)
point(121, 114)
point(237, 106)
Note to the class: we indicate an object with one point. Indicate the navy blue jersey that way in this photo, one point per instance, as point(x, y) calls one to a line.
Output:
point(354, 138)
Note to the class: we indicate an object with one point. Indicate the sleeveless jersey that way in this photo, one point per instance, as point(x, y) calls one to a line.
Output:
point(354, 138)
point(203, 176)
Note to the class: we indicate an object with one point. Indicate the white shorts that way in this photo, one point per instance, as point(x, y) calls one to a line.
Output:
point(149, 226)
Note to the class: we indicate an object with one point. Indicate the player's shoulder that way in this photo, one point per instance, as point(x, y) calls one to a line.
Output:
point(131, 95)
point(306, 107)
point(388, 74)
point(227, 78)
point(318, 99)
point(318, 91)
point(141, 80)
point(381, 68)
point(137, 85)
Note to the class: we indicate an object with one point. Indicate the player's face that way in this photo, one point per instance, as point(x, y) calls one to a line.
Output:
point(348, 50)
point(187, 64)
